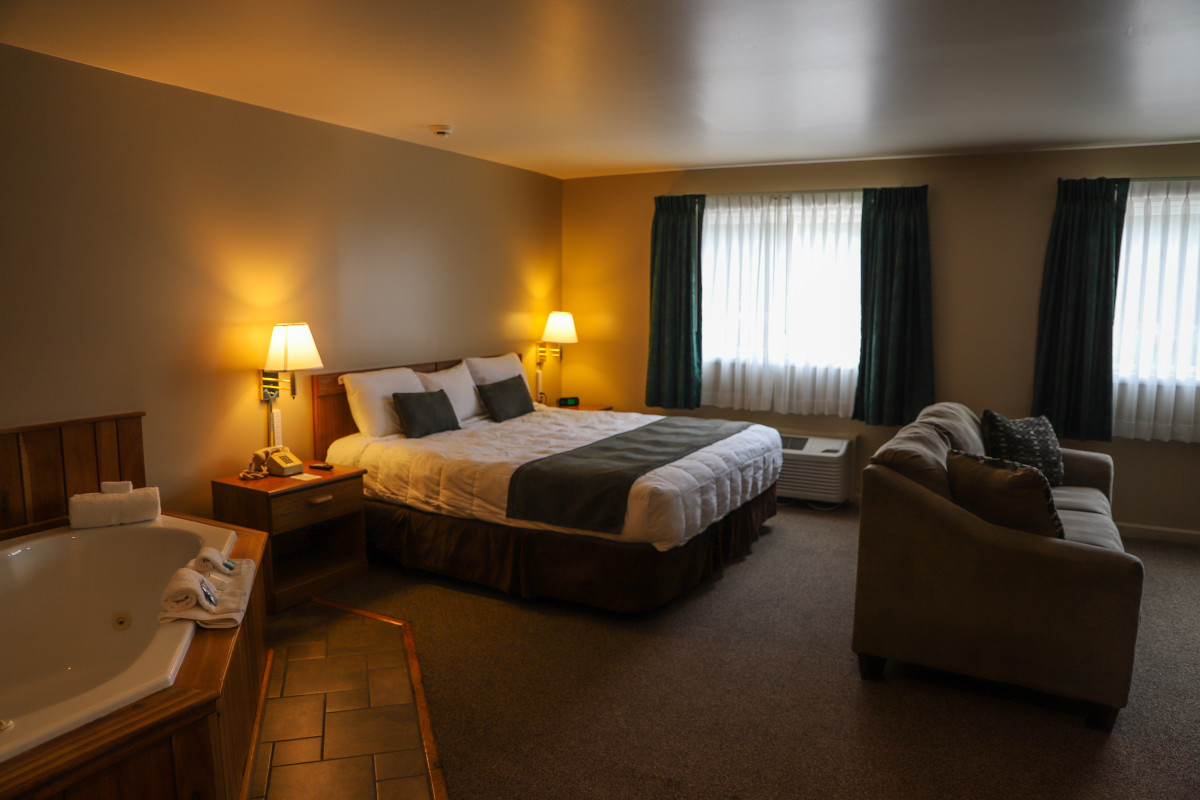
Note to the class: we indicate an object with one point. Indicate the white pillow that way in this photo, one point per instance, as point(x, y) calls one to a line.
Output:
point(456, 382)
point(496, 368)
point(370, 397)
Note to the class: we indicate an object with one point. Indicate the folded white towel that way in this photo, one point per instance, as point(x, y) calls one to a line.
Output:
point(219, 582)
point(116, 487)
point(210, 559)
point(188, 589)
point(231, 604)
point(97, 509)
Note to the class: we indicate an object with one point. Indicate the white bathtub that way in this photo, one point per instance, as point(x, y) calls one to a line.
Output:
point(79, 630)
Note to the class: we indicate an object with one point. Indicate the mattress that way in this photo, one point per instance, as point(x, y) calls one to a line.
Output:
point(465, 473)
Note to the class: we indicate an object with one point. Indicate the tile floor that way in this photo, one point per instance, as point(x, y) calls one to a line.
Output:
point(342, 719)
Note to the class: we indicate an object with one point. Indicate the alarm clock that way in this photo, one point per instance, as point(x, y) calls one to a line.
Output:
point(567, 402)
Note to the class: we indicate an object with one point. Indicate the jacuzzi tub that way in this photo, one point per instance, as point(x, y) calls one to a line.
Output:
point(79, 630)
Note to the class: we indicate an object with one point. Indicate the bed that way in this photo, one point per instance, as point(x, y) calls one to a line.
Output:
point(441, 503)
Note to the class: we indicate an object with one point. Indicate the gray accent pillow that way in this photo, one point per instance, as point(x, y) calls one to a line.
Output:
point(1003, 493)
point(1027, 441)
point(507, 398)
point(918, 452)
point(423, 413)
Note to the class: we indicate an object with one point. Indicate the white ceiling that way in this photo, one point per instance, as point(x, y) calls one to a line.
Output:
point(574, 88)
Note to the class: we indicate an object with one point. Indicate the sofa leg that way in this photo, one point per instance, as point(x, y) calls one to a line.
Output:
point(1101, 717)
point(871, 668)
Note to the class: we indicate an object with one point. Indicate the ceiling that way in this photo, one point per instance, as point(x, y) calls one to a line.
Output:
point(574, 88)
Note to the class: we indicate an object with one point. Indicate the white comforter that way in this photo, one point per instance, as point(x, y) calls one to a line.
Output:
point(465, 473)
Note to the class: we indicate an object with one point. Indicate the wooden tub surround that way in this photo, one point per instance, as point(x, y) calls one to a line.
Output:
point(193, 740)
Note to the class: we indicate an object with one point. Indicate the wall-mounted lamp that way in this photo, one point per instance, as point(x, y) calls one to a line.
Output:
point(292, 348)
point(560, 330)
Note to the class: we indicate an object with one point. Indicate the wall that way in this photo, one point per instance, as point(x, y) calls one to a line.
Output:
point(150, 236)
point(989, 222)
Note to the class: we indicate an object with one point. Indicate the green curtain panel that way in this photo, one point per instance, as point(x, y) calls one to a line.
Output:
point(895, 368)
point(673, 372)
point(1072, 381)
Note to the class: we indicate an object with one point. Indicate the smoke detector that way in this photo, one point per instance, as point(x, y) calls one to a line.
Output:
point(441, 131)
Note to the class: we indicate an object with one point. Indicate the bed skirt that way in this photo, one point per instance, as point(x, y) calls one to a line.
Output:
point(618, 576)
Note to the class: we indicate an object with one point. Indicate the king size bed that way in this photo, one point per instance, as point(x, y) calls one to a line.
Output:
point(467, 477)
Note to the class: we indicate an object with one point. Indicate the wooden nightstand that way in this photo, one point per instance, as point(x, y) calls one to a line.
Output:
point(587, 407)
point(316, 533)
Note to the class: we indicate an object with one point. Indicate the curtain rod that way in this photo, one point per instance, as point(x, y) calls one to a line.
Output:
point(861, 188)
point(796, 191)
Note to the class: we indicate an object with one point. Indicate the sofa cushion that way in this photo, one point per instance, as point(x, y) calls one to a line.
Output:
point(1003, 493)
point(958, 423)
point(917, 451)
point(1081, 498)
point(1097, 530)
point(1027, 441)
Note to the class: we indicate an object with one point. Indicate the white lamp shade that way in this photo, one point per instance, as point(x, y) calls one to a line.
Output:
point(292, 348)
point(560, 328)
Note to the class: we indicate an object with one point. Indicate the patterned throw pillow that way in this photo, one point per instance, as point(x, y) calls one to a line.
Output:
point(1003, 493)
point(1027, 441)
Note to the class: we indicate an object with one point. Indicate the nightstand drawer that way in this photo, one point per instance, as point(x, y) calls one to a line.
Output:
point(324, 501)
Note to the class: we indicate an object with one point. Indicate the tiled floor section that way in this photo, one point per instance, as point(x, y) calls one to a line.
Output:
point(341, 719)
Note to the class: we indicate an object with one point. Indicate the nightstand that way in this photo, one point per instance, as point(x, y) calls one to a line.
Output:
point(316, 533)
point(587, 407)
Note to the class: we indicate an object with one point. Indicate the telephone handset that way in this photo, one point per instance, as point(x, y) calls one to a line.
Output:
point(272, 461)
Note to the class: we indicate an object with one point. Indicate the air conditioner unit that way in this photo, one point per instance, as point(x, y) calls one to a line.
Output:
point(815, 468)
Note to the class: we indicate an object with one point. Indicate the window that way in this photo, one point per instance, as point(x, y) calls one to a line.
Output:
point(780, 302)
point(1156, 329)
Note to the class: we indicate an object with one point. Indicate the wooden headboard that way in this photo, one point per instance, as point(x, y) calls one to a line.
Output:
point(331, 410)
point(43, 465)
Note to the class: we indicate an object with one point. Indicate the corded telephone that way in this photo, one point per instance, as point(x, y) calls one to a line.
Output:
point(283, 463)
point(272, 461)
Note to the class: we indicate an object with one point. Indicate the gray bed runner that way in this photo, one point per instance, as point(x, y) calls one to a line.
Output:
point(588, 488)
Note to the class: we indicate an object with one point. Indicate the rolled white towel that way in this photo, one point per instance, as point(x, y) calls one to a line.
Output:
point(116, 487)
point(210, 559)
point(188, 589)
point(97, 509)
point(231, 604)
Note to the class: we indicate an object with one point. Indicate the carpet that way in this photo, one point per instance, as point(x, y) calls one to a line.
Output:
point(746, 688)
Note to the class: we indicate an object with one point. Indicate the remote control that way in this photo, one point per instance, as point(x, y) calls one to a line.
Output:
point(321, 466)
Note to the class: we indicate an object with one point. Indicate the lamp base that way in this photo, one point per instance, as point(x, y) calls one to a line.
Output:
point(272, 385)
point(547, 349)
point(269, 386)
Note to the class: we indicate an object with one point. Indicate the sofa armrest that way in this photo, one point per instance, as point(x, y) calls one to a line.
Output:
point(1085, 468)
point(940, 587)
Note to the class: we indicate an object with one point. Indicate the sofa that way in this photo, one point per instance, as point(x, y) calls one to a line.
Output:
point(979, 566)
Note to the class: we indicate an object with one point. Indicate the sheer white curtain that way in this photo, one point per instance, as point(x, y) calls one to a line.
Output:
point(781, 306)
point(1156, 331)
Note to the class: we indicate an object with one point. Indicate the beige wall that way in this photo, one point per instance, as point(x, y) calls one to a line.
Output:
point(150, 237)
point(989, 222)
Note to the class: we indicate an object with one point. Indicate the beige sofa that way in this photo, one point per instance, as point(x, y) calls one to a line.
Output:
point(940, 586)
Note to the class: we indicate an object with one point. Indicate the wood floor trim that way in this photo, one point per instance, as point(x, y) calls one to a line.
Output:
point(437, 779)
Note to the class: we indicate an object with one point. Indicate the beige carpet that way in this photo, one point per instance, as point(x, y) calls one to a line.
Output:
point(747, 689)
